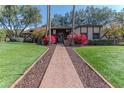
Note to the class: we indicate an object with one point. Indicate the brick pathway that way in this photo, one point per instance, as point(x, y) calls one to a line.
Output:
point(61, 72)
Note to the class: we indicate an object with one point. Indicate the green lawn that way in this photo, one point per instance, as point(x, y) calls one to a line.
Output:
point(108, 60)
point(15, 58)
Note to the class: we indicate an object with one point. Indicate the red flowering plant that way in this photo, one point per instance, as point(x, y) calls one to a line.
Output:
point(70, 37)
point(78, 38)
point(84, 39)
point(47, 38)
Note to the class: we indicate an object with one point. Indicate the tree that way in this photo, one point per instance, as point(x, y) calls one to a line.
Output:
point(119, 17)
point(114, 31)
point(94, 15)
point(73, 23)
point(15, 19)
point(89, 15)
point(80, 17)
point(67, 19)
point(58, 21)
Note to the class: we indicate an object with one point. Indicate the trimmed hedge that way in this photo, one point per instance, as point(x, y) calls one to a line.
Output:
point(121, 43)
point(100, 42)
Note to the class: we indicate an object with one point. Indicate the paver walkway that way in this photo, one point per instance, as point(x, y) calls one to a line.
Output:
point(61, 72)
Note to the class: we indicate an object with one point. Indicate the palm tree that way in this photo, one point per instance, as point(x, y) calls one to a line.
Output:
point(73, 24)
point(49, 22)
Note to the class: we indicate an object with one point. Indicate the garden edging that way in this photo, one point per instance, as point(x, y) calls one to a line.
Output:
point(95, 70)
point(16, 82)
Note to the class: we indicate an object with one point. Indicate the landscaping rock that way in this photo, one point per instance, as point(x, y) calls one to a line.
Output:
point(89, 78)
point(33, 78)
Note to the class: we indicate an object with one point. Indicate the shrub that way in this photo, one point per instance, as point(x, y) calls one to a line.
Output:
point(2, 36)
point(121, 43)
point(17, 39)
point(28, 40)
point(38, 34)
point(46, 39)
point(35, 33)
point(78, 38)
point(70, 37)
point(100, 42)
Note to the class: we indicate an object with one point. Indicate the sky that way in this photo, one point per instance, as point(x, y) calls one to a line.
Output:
point(62, 9)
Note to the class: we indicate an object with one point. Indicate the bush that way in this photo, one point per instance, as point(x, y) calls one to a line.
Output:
point(17, 39)
point(78, 38)
point(46, 39)
point(121, 43)
point(38, 35)
point(100, 42)
point(28, 40)
point(2, 36)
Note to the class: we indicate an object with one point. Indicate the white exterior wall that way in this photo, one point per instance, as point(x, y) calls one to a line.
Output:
point(102, 32)
point(84, 29)
point(96, 29)
point(90, 33)
point(77, 30)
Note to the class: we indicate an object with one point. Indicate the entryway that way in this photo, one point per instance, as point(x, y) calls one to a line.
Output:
point(60, 36)
point(61, 33)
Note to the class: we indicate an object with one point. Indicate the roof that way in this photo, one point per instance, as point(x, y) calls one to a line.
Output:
point(66, 27)
point(60, 27)
point(89, 25)
point(86, 25)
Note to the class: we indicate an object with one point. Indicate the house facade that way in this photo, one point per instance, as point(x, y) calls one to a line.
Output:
point(91, 31)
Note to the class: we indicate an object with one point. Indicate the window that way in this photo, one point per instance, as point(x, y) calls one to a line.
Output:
point(96, 35)
point(54, 32)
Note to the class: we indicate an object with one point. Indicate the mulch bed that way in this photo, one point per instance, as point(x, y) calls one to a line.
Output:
point(89, 78)
point(34, 77)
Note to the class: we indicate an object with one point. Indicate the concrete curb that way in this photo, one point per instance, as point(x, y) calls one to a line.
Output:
point(95, 70)
point(15, 83)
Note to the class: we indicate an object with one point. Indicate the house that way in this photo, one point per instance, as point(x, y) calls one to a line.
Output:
point(91, 31)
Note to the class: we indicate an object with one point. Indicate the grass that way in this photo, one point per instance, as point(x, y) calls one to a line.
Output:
point(15, 58)
point(107, 60)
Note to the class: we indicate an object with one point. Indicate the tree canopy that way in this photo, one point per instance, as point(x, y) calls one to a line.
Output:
point(15, 19)
point(89, 15)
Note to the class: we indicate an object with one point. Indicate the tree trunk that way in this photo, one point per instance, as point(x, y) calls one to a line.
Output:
point(49, 26)
point(73, 25)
